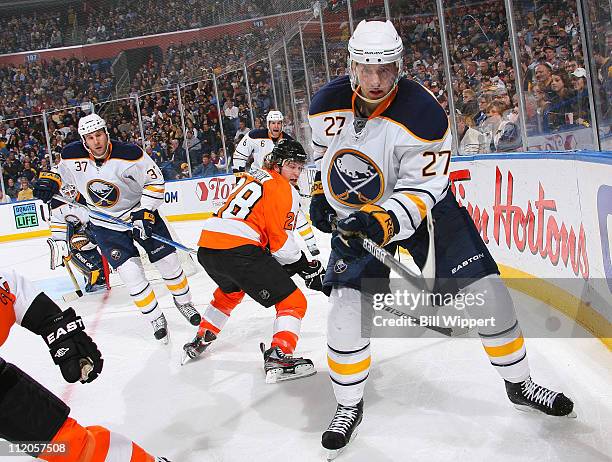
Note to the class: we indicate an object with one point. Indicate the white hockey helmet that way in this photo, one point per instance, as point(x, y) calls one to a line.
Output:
point(89, 124)
point(375, 42)
point(274, 116)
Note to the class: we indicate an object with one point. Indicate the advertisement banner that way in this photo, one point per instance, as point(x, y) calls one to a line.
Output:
point(550, 218)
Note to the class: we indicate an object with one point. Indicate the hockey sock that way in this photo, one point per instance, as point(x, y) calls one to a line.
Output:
point(289, 314)
point(218, 311)
point(502, 340)
point(133, 276)
point(93, 444)
point(174, 277)
point(348, 353)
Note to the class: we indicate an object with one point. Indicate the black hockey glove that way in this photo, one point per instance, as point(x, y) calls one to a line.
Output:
point(143, 221)
point(46, 186)
point(311, 271)
point(321, 213)
point(71, 348)
point(313, 275)
point(371, 221)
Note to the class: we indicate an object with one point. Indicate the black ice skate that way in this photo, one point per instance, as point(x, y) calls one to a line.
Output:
point(189, 312)
point(342, 429)
point(160, 329)
point(528, 396)
point(197, 346)
point(279, 366)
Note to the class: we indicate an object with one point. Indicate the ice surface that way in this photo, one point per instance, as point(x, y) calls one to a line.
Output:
point(426, 400)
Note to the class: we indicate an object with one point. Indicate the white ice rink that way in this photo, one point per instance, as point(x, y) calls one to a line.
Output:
point(427, 399)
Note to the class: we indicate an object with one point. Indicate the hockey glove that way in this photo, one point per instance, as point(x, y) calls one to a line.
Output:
point(143, 221)
point(71, 348)
point(46, 186)
point(321, 213)
point(371, 221)
point(313, 275)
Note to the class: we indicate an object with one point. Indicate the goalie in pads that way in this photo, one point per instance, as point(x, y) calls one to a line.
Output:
point(71, 240)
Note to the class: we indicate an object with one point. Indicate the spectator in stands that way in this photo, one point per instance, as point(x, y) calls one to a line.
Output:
point(232, 114)
point(206, 168)
point(242, 130)
point(208, 138)
point(184, 172)
point(581, 108)
point(25, 192)
point(27, 171)
point(472, 141)
point(560, 111)
point(12, 166)
point(11, 188)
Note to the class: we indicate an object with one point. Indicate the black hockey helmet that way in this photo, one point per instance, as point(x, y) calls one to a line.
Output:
point(287, 150)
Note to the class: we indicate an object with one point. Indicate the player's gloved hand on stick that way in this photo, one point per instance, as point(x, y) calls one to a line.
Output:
point(321, 213)
point(371, 221)
point(71, 348)
point(143, 221)
point(46, 186)
point(313, 275)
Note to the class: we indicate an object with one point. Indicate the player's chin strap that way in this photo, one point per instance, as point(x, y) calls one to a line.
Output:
point(125, 225)
point(425, 279)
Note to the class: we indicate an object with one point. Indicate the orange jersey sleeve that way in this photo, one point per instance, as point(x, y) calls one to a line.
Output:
point(261, 211)
point(16, 296)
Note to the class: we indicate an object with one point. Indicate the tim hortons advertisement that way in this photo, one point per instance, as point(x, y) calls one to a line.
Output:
point(196, 196)
point(551, 218)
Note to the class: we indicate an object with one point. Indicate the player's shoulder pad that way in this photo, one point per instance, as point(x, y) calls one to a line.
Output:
point(287, 136)
point(125, 151)
point(74, 150)
point(418, 111)
point(260, 175)
point(337, 95)
point(258, 133)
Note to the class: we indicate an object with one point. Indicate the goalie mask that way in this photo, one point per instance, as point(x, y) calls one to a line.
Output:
point(377, 46)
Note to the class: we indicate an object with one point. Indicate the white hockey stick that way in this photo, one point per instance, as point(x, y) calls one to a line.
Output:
point(126, 225)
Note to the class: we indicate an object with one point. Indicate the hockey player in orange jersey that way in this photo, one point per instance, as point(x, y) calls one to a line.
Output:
point(248, 247)
point(31, 413)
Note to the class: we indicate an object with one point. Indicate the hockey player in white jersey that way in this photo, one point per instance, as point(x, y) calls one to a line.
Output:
point(121, 180)
point(72, 240)
point(256, 145)
point(383, 146)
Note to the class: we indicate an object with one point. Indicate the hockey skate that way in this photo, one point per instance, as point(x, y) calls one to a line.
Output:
point(197, 346)
point(279, 366)
point(529, 396)
point(342, 429)
point(189, 312)
point(160, 329)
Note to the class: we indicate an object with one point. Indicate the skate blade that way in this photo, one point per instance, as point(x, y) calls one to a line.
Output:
point(530, 410)
point(333, 453)
point(277, 375)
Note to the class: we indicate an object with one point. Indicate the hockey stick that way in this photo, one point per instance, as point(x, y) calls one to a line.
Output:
point(125, 225)
point(71, 296)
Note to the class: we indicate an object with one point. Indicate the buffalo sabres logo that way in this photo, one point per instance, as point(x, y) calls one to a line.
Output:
point(354, 179)
point(102, 193)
